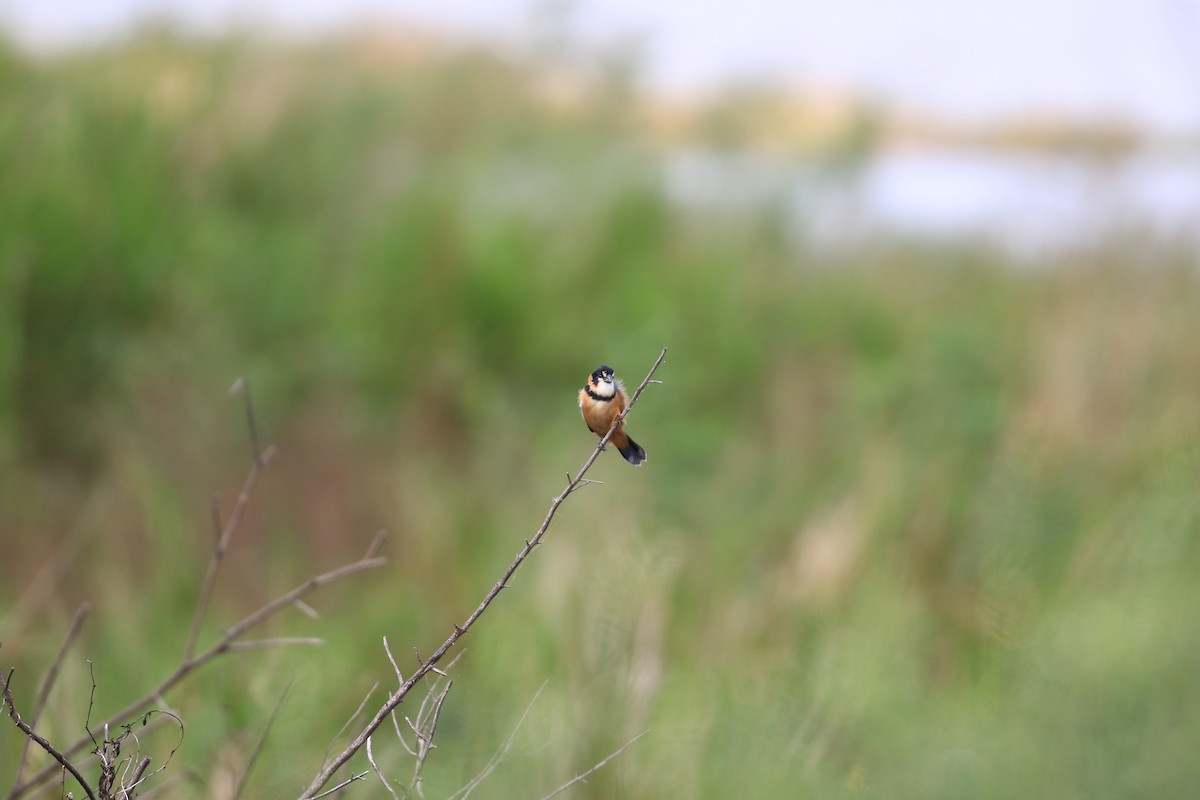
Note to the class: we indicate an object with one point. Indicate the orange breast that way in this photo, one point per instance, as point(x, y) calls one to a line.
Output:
point(598, 415)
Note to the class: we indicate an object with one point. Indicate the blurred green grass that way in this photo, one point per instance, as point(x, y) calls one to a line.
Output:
point(917, 521)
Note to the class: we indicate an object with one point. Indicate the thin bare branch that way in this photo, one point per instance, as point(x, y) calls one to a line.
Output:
point(435, 685)
point(262, 740)
point(222, 645)
point(229, 529)
point(307, 610)
point(127, 792)
point(387, 648)
point(48, 684)
point(583, 775)
point(379, 772)
point(159, 714)
point(425, 743)
point(376, 544)
point(341, 785)
point(6, 694)
point(350, 721)
point(329, 769)
point(500, 755)
point(399, 735)
point(243, 385)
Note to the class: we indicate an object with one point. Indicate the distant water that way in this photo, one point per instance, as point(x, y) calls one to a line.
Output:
point(1024, 203)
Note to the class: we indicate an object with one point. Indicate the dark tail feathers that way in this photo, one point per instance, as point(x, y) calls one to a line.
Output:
point(633, 452)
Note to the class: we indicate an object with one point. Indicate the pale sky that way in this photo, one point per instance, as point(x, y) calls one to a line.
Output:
point(972, 60)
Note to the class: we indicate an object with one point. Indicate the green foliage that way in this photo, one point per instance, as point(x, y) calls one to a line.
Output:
point(915, 522)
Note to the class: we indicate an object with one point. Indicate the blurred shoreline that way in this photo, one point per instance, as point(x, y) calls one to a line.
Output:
point(836, 168)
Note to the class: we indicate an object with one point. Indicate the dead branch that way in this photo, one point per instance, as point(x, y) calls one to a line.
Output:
point(229, 641)
point(425, 728)
point(350, 721)
point(357, 777)
point(6, 694)
point(379, 772)
point(424, 667)
point(222, 645)
point(48, 683)
point(261, 458)
point(127, 792)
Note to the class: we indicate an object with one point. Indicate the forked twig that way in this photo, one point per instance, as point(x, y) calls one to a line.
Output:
point(329, 769)
point(48, 684)
point(235, 518)
point(342, 785)
point(425, 727)
point(6, 694)
point(229, 639)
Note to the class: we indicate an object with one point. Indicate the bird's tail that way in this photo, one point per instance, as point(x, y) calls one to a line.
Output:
point(631, 450)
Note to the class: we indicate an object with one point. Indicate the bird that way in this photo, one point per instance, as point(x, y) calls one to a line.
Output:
point(601, 399)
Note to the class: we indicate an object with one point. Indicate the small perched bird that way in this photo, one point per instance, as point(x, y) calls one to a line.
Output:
point(601, 399)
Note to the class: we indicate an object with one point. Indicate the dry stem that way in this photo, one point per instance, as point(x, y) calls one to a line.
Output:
point(583, 775)
point(228, 641)
point(48, 683)
point(328, 770)
point(6, 694)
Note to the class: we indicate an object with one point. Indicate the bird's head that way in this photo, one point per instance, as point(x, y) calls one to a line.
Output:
point(602, 381)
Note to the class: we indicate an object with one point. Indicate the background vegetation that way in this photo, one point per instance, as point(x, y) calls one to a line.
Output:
point(918, 521)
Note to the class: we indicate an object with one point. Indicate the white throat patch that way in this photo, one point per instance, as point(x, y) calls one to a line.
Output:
point(605, 389)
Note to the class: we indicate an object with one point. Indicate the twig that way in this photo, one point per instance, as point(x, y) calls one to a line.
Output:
point(48, 683)
point(307, 610)
point(341, 785)
point(162, 713)
point(425, 740)
point(350, 721)
point(242, 385)
point(498, 758)
point(387, 648)
point(28, 731)
point(457, 633)
point(379, 772)
point(222, 645)
point(421, 752)
point(399, 735)
point(262, 740)
point(235, 518)
point(87, 722)
point(581, 776)
point(127, 792)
